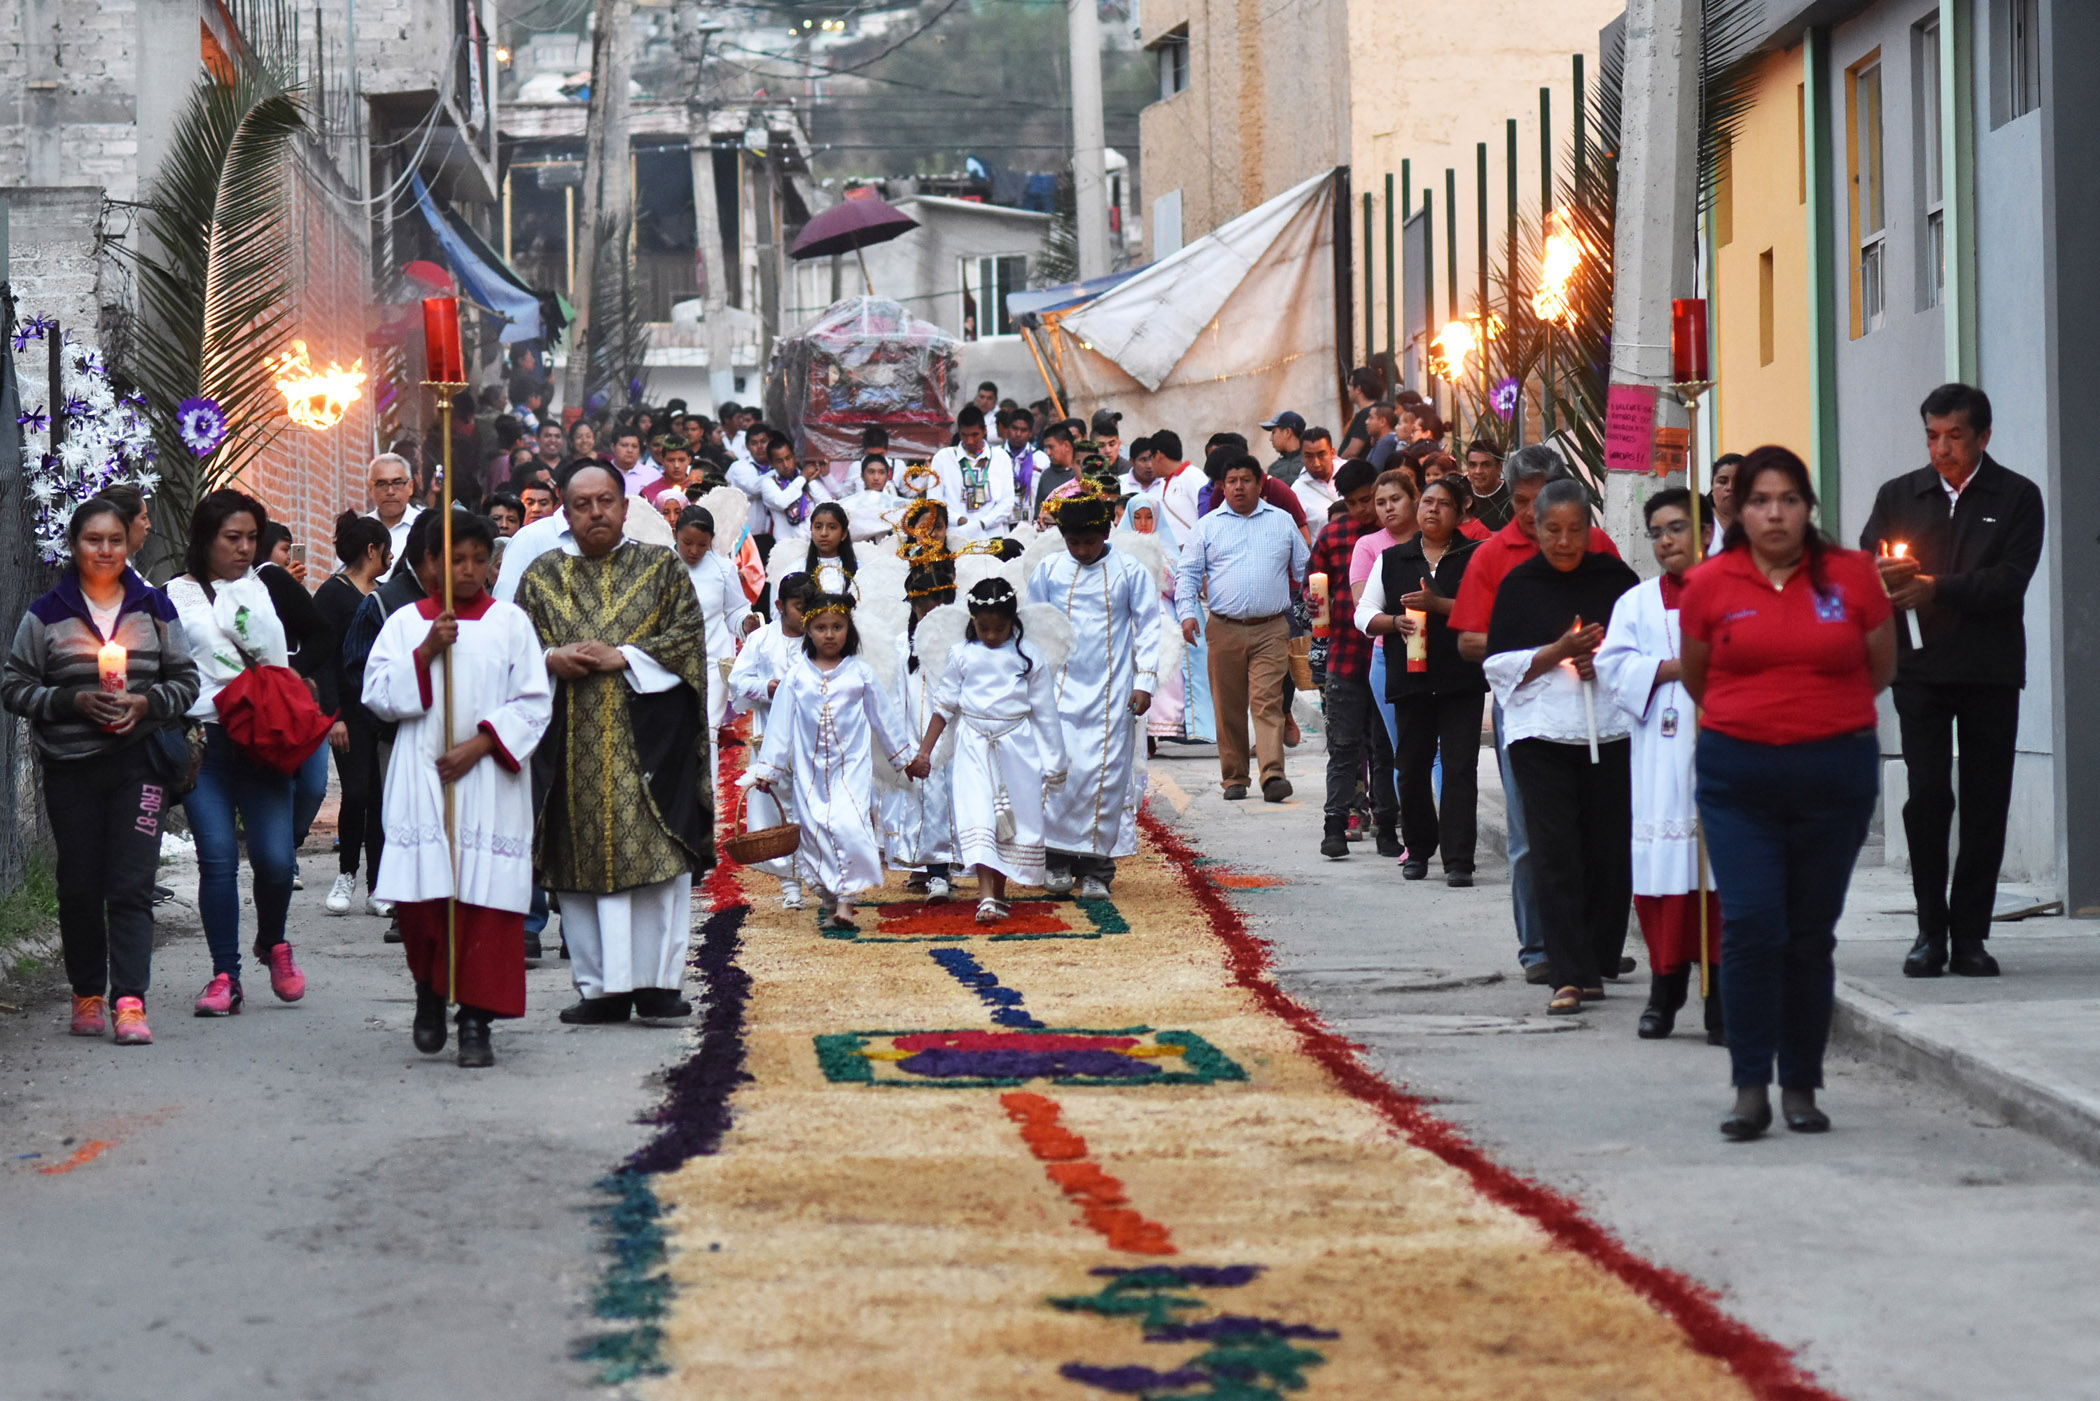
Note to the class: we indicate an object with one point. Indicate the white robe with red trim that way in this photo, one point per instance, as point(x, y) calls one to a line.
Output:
point(500, 686)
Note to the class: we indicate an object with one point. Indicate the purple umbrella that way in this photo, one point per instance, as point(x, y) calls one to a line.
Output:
point(849, 226)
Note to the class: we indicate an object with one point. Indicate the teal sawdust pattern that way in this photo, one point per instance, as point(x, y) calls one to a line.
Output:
point(634, 1291)
point(1102, 915)
point(840, 1056)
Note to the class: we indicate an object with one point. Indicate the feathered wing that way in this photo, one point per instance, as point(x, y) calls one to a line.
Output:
point(880, 579)
point(730, 508)
point(939, 634)
point(1171, 647)
point(1047, 632)
point(1045, 546)
point(646, 525)
point(1148, 551)
point(972, 569)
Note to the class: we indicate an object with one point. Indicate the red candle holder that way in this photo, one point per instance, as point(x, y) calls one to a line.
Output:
point(1688, 363)
point(441, 350)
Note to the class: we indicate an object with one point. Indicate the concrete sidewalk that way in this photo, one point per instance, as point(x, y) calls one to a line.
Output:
point(2024, 1046)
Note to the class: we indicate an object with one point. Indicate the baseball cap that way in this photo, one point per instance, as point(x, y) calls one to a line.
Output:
point(1287, 419)
point(1105, 422)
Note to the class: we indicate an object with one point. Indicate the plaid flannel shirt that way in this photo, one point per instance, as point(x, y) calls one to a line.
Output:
point(1348, 650)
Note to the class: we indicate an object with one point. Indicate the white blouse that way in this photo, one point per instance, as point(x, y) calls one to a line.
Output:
point(240, 611)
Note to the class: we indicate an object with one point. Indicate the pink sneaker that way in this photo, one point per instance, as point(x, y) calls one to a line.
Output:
point(285, 978)
point(221, 997)
point(131, 1022)
point(87, 1017)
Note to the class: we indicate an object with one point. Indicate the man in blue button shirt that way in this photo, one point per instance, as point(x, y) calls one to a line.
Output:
point(1244, 560)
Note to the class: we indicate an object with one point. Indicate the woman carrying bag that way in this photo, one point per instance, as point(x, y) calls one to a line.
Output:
point(107, 766)
point(255, 737)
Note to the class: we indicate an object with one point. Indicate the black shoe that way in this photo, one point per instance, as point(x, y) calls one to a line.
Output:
point(660, 1004)
point(1971, 960)
point(1666, 993)
point(430, 1020)
point(1235, 792)
point(596, 1011)
point(161, 894)
point(393, 932)
point(1716, 1020)
point(1276, 790)
point(1927, 958)
point(1389, 842)
point(1413, 870)
point(1798, 1107)
point(1459, 880)
point(533, 953)
point(1334, 841)
point(474, 1052)
point(1752, 1116)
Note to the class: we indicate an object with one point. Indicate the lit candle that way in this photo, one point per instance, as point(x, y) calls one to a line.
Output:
point(113, 662)
point(1417, 640)
point(1316, 593)
point(1900, 550)
point(441, 341)
point(1688, 341)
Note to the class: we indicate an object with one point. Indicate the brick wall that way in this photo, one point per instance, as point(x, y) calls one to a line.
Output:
point(306, 478)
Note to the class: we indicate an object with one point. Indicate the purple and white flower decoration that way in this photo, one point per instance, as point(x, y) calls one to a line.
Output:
point(106, 440)
point(1504, 399)
point(202, 424)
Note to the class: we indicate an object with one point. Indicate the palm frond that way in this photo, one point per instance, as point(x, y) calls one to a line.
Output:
point(1727, 84)
point(1059, 259)
point(618, 370)
point(215, 269)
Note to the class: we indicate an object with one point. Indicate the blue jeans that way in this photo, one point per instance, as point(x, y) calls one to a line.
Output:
point(536, 917)
point(309, 786)
point(228, 782)
point(1385, 707)
point(1784, 824)
point(1523, 877)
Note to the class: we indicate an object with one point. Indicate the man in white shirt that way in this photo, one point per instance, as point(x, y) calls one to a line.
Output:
point(871, 508)
point(1176, 484)
point(392, 482)
point(790, 493)
point(976, 481)
point(1018, 427)
point(1315, 485)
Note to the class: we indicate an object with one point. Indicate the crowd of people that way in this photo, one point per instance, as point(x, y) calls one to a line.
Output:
point(958, 667)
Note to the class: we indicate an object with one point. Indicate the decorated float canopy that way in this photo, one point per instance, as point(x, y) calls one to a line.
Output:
point(863, 363)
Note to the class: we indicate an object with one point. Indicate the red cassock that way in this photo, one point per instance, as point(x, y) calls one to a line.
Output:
point(491, 953)
point(1670, 924)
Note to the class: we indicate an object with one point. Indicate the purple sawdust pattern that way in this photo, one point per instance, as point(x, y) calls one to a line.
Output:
point(941, 1063)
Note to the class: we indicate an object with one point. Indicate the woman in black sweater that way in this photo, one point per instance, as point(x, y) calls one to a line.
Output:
point(365, 551)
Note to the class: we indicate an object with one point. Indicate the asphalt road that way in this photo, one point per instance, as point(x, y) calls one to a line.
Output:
point(293, 1202)
point(1918, 1251)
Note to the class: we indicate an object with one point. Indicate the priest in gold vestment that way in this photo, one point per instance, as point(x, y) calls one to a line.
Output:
point(629, 813)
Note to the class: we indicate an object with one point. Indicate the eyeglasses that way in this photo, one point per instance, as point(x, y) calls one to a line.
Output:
point(389, 483)
point(1674, 528)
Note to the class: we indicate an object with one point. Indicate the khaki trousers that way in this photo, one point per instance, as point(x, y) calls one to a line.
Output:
point(1248, 663)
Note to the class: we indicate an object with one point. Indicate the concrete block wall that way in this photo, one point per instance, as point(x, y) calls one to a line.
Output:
point(71, 72)
point(403, 46)
point(53, 234)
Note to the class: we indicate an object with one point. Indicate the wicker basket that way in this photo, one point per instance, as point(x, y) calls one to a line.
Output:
point(766, 844)
point(1300, 652)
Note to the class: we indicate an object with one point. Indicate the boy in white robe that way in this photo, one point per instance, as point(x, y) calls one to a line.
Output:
point(501, 705)
point(920, 819)
point(1104, 685)
point(1009, 747)
point(722, 604)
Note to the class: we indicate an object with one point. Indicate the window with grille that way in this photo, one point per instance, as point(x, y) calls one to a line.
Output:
point(1932, 223)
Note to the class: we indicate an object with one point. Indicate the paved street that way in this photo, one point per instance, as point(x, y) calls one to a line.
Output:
point(294, 1203)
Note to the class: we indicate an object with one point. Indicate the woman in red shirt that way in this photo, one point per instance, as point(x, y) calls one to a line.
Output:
point(1787, 639)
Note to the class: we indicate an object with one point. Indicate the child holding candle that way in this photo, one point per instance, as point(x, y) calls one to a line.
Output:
point(754, 681)
point(97, 674)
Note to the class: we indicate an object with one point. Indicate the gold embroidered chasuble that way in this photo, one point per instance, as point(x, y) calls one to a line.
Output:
point(627, 804)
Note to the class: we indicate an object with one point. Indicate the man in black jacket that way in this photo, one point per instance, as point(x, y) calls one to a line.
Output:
point(1974, 535)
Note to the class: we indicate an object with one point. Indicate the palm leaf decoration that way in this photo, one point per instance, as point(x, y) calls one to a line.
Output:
point(215, 269)
point(619, 329)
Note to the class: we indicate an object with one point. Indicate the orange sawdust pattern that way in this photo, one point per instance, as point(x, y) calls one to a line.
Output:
point(83, 1155)
point(1229, 881)
point(1101, 1198)
point(958, 919)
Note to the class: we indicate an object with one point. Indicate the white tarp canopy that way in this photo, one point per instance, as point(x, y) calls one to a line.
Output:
point(1232, 329)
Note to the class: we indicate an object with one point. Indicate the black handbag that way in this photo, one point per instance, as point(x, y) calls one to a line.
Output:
point(175, 752)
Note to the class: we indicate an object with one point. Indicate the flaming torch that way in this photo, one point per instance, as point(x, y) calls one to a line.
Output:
point(316, 398)
point(1462, 340)
point(1553, 301)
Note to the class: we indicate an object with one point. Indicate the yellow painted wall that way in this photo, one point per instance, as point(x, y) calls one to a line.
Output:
point(1761, 209)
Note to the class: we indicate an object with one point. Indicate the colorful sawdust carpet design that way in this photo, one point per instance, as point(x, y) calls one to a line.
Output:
point(1052, 1199)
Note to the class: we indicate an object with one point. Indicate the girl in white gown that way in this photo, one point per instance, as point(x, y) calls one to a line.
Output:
point(827, 717)
point(722, 604)
point(761, 667)
point(920, 818)
point(1001, 694)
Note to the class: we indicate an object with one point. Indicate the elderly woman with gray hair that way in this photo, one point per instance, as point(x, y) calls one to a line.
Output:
point(1568, 741)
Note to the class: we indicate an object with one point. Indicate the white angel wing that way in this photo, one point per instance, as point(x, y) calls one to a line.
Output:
point(1171, 647)
point(646, 525)
point(1148, 551)
point(939, 632)
point(1044, 546)
point(972, 569)
point(1047, 632)
point(730, 508)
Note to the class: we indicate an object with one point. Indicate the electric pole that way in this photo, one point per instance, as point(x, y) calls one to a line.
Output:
point(1089, 138)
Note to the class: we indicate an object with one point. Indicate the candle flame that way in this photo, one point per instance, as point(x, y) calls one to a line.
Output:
point(1898, 550)
point(1461, 341)
point(316, 398)
point(1562, 257)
